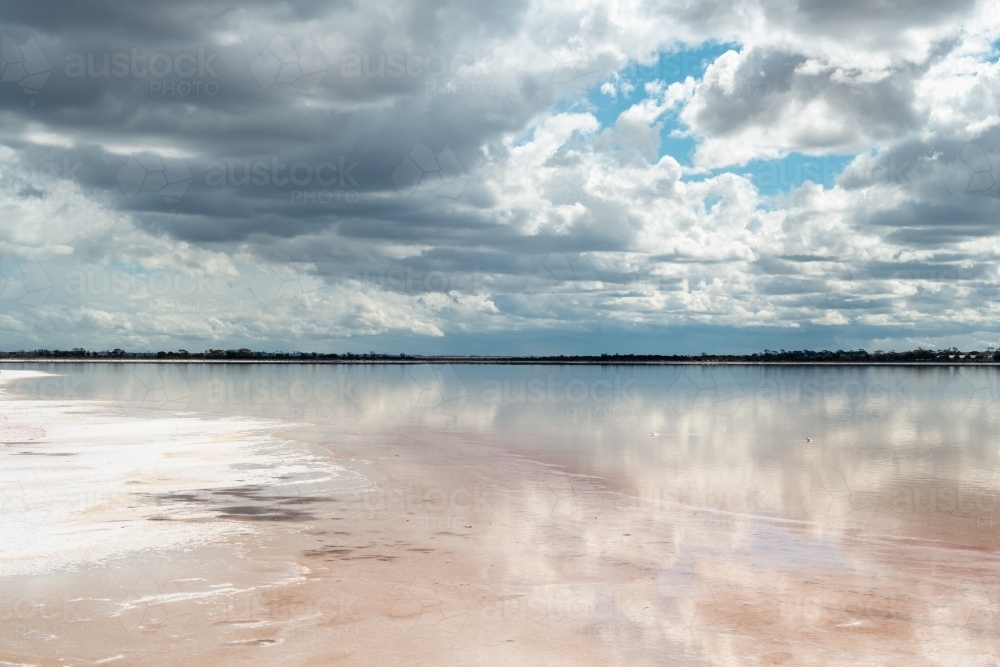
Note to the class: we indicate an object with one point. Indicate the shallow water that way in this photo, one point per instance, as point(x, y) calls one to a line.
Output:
point(775, 441)
point(743, 513)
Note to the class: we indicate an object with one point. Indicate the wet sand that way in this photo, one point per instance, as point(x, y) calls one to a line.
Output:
point(422, 545)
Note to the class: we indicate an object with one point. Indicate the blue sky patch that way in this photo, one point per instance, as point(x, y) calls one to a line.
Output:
point(769, 176)
point(672, 67)
point(630, 89)
point(777, 176)
point(772, 177)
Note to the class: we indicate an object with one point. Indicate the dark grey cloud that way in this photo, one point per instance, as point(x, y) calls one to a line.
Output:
point(426, 166)
point(951, 187)
point(884, 16)
point(176, 22)
point(772, 84)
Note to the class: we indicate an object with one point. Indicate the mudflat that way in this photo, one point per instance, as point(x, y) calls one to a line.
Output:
point(139, 537)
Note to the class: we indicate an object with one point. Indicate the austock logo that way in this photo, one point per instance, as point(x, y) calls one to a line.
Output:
point(24, 65)
point(164, 173)
point(26, 618)
point(285, 62)
point(154, 386)
point(183, 74)
point(567, 276)
point(163, 608)
point(436, 390)
point(23, 281)
point(970, 390)
point(830, 283)
point(713, 389)
point(426, 171)
point(55, 181)
point(559, 64)
point(973, 171)
point(424, 604)
point(576, 391)
point(284, 279)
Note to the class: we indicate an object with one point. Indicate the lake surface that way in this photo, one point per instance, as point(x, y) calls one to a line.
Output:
point(779, 441)
point(794, 508)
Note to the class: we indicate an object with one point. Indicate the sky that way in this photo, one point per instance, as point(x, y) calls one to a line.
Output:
point(434, 177)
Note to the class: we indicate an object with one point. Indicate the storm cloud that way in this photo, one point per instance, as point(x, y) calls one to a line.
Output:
point(455, 176)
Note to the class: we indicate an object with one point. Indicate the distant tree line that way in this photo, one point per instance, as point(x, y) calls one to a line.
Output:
point(767, 356)
point(242, 353)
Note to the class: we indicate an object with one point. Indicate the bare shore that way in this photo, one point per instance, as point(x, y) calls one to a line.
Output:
point(216, 541)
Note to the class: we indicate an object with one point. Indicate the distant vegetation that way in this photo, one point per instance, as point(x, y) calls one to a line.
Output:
point(767, 356)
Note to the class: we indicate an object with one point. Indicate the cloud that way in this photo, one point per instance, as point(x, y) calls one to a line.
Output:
point(323, 173)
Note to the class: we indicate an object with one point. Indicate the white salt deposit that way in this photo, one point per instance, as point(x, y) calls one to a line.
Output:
point(86, 481)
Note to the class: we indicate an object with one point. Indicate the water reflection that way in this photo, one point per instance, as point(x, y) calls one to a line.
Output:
point(901, 451)
point(603, 515)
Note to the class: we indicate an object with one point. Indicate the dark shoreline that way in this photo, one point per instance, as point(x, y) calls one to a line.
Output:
point(484, 361)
